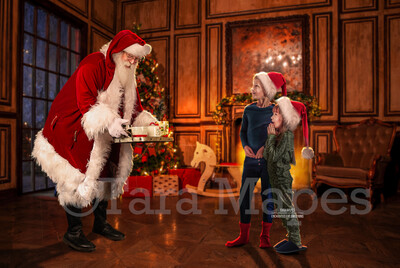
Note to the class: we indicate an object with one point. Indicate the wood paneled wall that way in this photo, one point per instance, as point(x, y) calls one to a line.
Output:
point(354, 62)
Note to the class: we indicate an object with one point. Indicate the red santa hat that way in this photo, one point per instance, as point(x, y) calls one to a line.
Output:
point(123, 41)
point(292, 112)
point(271, 82)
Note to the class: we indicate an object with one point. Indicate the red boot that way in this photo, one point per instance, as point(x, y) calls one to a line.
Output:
point(264, 237)
point(243, 236)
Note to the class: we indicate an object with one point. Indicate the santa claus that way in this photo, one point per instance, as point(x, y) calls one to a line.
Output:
point(75, 146)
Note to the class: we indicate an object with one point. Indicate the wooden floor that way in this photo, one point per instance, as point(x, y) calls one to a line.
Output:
point(32, 228)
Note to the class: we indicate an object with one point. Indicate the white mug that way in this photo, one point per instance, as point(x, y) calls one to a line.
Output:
point(139, 131)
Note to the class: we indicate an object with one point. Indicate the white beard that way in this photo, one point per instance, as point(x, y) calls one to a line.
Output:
point(124, 71)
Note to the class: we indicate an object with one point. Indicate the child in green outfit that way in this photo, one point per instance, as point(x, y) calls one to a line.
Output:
point(279, 153)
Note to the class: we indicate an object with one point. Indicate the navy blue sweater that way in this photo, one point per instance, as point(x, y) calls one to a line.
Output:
point(255, 121)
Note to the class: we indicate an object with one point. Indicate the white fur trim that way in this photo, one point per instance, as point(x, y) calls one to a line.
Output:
point(307, 153)
point(144, 119)
point(124, 169)
point(97, 120)
point(269, 86)
point(60, 172)
point(68, 178)
point(104, 48)
point(291, 117)
point(138, 50)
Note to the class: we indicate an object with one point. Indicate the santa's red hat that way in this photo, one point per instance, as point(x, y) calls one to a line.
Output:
point(130, 42)
point(271, 82)
point(292, 112)
point(123, 41)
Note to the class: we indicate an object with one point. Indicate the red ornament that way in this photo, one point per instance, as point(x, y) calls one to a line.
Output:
point(144, 158)
point(152, 151)
point(138, 150)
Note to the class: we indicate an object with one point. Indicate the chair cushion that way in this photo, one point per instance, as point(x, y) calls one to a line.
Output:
point(342, 172)
point(340, 182)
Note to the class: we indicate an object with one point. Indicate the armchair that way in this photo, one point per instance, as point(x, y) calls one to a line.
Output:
point(360, 159)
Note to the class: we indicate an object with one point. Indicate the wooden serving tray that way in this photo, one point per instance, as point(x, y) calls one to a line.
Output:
point(142, 139)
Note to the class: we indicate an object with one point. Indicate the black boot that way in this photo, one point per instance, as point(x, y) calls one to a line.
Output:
point(101, 226)
point(74, 236)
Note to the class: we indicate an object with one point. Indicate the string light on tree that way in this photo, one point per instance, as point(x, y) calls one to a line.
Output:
point(161, 157)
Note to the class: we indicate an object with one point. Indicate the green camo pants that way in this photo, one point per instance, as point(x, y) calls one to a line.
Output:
point(283, 197)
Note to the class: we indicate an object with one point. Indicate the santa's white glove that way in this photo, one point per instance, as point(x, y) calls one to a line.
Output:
point(115, 128)
point(84, 190)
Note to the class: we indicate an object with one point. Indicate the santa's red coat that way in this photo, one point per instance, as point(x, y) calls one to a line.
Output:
point(63, 128)
point(74, 144)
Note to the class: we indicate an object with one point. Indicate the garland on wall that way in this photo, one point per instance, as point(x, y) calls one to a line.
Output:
point(161, 157)
point(220, 114)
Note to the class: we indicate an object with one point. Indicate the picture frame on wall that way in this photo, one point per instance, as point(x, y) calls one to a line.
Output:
point(278, 44)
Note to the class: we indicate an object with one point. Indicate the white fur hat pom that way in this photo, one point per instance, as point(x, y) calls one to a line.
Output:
point(307, 153)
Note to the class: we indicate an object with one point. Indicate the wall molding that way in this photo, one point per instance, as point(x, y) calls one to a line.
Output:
point(218, 73)
point(112, 29)
point(264, 10)
point(5, 153)
point(179, 37)
point(187, 134)
point(387, 70)
point(392, 4)
point(343, 68)
point(329, 138)
point(143, 31)
point(328, 60)
point(83, 12)
point(343, 9)
point(187, 26)
point(6, 96)
point(93, 31)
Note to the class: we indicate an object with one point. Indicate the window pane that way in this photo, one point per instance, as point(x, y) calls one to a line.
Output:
point(49, 106)
point(75, 39)
point(27, 112)
point(41, 113)
point(40, 84)
point(26, 177)
point(40, 178)
point(28, 48)
point(26, 144)
point(50, 183)
point(28, 20)
point(53, 28)
point(63, 80)
point(64, 34)
point(27, 85)
point(52, 86)
point(41, 23)
point(64, 61)
point(74, 62)
point(52, 58)
point(41, 53)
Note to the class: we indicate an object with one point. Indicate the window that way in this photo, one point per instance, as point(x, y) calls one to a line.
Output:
point(51, 53)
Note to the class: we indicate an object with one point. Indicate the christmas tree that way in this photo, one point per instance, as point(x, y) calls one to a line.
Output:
point(159, 157)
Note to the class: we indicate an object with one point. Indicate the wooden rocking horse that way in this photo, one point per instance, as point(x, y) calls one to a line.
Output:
point(204, 153)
